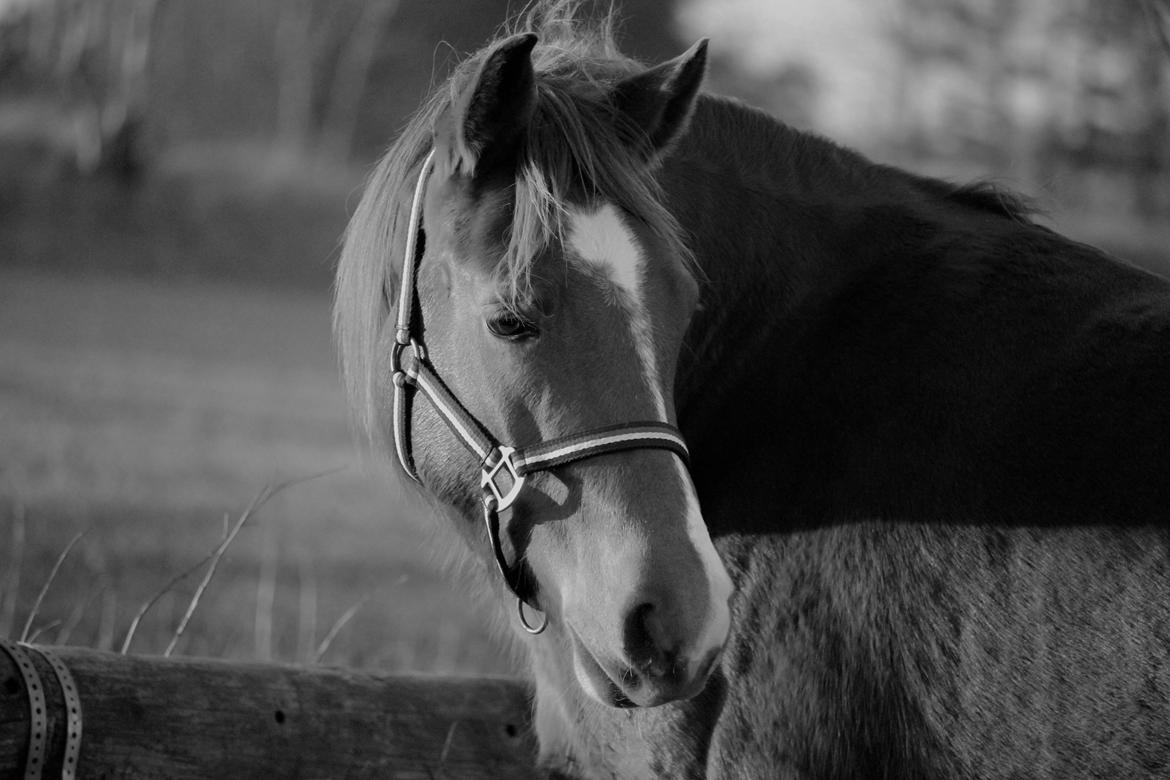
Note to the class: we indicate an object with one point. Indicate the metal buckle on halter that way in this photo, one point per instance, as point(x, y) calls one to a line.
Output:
point(396, 370)
point(488, 474)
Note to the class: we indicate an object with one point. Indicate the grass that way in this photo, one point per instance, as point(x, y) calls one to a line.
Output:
point(145, 415)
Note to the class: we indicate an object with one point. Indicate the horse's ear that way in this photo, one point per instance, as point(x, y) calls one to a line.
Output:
point(483, 126)
point(661, 100)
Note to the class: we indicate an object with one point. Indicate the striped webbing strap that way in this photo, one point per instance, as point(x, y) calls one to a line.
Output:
point(599, 441)
point(518, 462)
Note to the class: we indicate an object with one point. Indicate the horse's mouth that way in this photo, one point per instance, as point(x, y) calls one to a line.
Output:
point(594, 678)
point(624, 687)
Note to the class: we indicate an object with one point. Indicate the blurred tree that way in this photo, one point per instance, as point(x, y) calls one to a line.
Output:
point(1041, 88)
point(314, 38)
point(427, 37)
point(351, 75)
point(94, 55)
point(296, 55)
point(331, 76)
point(1158, 13)
point(646, 30)
point(789, 92)
point(1123, 94)
point(1153, 187)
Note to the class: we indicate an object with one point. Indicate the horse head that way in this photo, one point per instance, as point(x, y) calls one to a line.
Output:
point(552, 293)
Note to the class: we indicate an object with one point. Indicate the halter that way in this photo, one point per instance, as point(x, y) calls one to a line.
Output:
point(412, 370)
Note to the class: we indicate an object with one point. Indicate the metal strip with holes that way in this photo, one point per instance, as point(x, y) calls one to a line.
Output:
point(73, 716)
point(38, 715)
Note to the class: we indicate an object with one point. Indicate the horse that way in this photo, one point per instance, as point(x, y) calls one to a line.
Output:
point(899, 506)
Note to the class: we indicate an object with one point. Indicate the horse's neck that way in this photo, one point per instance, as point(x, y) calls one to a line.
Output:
point(764, 208)
point(783, 226)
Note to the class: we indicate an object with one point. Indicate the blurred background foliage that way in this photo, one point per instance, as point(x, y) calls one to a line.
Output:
point(1066, 99)
point(175, 176)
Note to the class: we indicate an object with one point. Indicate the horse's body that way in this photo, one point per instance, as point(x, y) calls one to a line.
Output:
point(931, 441)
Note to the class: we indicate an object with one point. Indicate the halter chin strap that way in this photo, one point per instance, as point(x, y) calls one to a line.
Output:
point(502, 468)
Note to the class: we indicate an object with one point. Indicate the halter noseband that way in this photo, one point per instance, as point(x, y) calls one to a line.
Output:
point(412, 369)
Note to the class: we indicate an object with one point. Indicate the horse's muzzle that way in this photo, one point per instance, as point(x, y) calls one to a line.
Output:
point(654, 670)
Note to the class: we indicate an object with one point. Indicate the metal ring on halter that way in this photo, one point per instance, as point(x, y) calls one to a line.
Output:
point(492, 520)
point(397, 368)
point(534, 630)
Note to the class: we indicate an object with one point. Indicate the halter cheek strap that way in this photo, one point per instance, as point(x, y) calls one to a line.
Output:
point(412, 371)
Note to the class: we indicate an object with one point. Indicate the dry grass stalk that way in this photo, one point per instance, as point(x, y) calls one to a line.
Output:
point(307, 612)
point(105, 637)
point(213, 564)
point(141, 613)
point(260, 499)
point(346, 616)
point(265, 597)
point(75, 617)
point(32, 615)
point(447, 742)
point(42, 629)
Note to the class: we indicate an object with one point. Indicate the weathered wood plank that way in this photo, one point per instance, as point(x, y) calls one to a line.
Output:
point(195, 718)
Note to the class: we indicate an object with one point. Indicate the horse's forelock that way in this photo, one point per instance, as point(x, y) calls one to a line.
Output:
point(576, 151)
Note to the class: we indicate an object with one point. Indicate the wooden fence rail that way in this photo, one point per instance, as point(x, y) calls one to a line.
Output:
point(152, 717)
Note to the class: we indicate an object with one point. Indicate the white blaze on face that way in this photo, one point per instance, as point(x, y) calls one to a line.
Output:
point(602, 240)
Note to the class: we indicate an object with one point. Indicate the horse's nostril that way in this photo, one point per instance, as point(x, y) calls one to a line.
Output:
point(646, 643)
point(636, 634)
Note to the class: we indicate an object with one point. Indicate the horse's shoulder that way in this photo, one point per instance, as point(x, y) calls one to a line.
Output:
point(805, 629)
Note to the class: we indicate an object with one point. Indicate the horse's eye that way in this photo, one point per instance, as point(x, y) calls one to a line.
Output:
point(511, 326)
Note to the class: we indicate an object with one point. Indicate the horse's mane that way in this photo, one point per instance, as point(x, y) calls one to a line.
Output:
point(982, 196)
point(575, 148)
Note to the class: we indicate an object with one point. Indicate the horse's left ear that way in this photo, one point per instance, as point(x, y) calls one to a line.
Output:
point(660, 101)
point(483, 126)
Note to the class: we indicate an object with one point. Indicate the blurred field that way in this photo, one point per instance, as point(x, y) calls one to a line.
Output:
point(144, 413)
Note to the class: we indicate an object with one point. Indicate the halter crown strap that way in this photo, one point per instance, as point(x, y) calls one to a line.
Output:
point(402, 330)
point(410, 265)
point(412, 370)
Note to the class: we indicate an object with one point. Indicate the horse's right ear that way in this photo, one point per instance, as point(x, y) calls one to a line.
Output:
point(660, 101)
point(486, 120)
